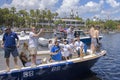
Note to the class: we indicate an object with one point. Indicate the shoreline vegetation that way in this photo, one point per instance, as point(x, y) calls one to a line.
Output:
point(50, 20)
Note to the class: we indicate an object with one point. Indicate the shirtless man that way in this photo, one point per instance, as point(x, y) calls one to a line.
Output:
point(94, 34)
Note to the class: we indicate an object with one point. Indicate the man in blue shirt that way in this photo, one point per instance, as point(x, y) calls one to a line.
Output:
point(10, 46)
point(56, 52)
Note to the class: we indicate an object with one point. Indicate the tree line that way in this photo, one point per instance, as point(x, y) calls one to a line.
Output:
point(23, 18)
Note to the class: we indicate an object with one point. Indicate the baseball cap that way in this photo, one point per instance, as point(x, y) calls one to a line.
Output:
point(5, 29)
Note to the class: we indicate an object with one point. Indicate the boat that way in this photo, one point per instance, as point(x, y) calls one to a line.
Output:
point(55, 70)
point(43, 41)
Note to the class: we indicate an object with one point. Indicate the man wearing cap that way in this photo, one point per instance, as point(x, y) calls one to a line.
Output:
point(10, 47)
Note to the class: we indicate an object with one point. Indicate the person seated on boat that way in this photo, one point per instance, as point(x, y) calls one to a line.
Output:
point(26, 50)
point(50, 45)
point(23, 58)
point(72, 47)
point(66, 51)
point(79, 47)
point(56, 52)
point(24, 55)
point(27, 61)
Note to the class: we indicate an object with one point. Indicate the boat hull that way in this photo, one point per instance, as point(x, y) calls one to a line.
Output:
point(54, 71)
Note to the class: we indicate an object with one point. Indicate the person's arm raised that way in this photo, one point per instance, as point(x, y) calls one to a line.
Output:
point(38, 34)
point(41, 32)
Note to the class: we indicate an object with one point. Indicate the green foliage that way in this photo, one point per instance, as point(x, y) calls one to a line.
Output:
point(57, 22)
point(23, 18)
point(109, 24)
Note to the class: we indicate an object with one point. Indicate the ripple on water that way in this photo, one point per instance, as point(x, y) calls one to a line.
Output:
point(108, 67)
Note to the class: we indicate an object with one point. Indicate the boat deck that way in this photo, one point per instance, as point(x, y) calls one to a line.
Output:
point(74, 60)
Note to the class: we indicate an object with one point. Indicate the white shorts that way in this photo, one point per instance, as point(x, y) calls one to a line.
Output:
point(33, 50)
point(65, 54)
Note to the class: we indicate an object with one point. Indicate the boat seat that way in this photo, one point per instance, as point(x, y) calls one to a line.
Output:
point(43, 52)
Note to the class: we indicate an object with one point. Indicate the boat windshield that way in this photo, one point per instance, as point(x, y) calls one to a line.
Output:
point(79, 33)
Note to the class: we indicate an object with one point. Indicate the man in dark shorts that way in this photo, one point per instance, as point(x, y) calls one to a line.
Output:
point(10, 47)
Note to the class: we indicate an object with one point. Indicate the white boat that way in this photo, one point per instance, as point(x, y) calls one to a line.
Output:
point(43, 42)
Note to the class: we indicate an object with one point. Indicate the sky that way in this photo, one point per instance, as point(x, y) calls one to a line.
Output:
point(102, 9)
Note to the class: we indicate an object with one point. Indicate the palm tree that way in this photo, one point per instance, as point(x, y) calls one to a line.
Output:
point(32, 15)
point(37, 15)
point(23, 14)
point(13, 10)
point(43, 14)
point(55, 14)
point(3, 14)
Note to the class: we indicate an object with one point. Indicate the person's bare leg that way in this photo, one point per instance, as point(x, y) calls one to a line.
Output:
point(92, 48)
point(7, 64)
point(66, 58)
point(33, 60)
point(15, 62)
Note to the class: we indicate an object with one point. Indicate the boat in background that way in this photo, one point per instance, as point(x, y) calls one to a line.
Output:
point(43, 42)
point(72, 68)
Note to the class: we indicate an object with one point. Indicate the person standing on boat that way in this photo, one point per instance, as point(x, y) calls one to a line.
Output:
point(70, 34)
point(10, 47)
point(56, 52)
point(33, 44)
point(97, 46)
point(97, 34)
point(94, 38)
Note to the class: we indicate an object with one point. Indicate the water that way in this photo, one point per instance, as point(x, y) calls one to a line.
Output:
point(107, 68)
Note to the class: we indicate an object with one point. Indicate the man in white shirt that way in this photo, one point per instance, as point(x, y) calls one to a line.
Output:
point(33, 44)
point(70, 34)
point(79, 47)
